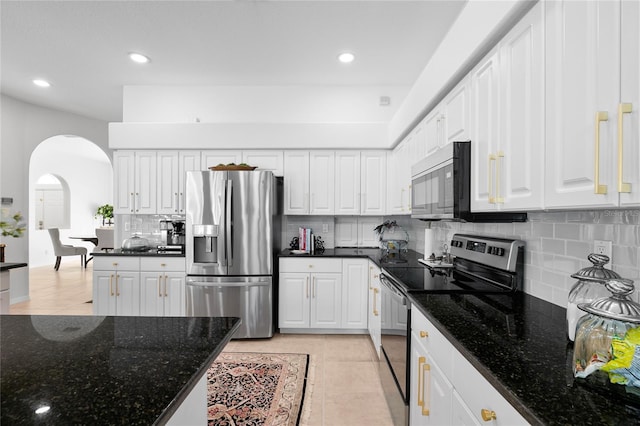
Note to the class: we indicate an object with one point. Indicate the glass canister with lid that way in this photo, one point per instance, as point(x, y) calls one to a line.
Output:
point(589, 287)
point(608, 336)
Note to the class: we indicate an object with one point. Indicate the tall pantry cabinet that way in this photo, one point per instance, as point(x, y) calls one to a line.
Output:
point(592, 91)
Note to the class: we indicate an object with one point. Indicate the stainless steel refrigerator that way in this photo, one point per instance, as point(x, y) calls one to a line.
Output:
point(232, 235)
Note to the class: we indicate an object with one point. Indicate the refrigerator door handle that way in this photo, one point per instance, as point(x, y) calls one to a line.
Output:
point(228, 284)
point(229, 222)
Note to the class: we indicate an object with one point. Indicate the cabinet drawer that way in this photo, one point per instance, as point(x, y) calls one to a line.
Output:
point(310, 264)
point(162, 264)
point(433, 341)
point(478, 394)
point(121, 263)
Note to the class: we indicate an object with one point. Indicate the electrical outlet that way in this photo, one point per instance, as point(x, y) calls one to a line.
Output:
point(603, 247)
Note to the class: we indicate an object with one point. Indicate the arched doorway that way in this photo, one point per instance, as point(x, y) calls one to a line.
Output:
point(85, 176)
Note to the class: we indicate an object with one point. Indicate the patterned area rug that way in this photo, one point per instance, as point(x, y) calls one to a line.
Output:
point(256, 389)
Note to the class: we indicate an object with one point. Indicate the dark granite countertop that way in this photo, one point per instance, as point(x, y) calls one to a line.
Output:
point(379, 256)
point(103, 370)
point(151, 252)
point(5, 266)
point(523, 351)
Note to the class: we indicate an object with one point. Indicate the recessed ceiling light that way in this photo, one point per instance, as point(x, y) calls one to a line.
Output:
point(137, 57)
point(41, 83)
point(346, 57)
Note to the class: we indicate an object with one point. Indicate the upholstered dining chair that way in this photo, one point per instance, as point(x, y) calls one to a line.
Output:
point(60, 249)
point(105, 239)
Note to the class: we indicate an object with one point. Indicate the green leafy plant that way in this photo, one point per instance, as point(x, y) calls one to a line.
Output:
point(106, 211)
point(12, 224)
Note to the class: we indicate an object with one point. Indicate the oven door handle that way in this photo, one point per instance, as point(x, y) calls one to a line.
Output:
point(392, 288)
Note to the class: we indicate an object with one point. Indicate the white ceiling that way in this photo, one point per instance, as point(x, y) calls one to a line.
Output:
point(81, 47)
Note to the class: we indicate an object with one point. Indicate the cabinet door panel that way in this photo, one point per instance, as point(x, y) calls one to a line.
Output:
point(630, 93)
point(265, 160)
point(456, 115)
point(326, 300)
point(484, 130)
point(151, 294)
point(174, 295)
point(145, 183)
point(187, 161)
point(432, 131)
point(296, 182)
point(347, 183)
point(168, 175)
point(582, 78)
point(373, 183)
point(104, 303)
point(293, 307)
point(522, 114)
point(124, 186)
point(321, 183)
point(354, 293)
point(128, 293)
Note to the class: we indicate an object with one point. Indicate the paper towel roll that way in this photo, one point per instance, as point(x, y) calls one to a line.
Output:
point(429, 242)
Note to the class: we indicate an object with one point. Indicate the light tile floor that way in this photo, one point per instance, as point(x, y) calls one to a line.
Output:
point(343, 387)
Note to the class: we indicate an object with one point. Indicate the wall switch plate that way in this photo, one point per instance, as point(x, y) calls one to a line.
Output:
point(603, 247)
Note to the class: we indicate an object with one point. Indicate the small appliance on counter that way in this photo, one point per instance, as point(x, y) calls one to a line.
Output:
point(172, 236)
point(135, 244)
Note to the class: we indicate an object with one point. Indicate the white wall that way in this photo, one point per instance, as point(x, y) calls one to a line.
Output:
point(24, 126)
point(88, 172)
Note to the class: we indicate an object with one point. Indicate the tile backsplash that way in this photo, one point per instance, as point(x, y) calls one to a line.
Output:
point(557, 245)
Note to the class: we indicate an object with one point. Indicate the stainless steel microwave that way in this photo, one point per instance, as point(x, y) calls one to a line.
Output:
point(441, 188)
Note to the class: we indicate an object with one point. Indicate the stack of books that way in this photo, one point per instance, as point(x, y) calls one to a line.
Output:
point(306, 241)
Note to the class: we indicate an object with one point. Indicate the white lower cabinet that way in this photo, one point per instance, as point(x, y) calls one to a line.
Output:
point(162, 287)
point(116, 286)
point(445, 388)
point(134, 286)
point(374, 318)
point(322, 294)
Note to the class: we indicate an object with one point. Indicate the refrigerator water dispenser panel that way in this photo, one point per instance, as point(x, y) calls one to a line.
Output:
point(205, 243)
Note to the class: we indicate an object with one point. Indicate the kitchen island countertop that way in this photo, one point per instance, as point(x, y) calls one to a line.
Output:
point(523, 351)
point(103, 370)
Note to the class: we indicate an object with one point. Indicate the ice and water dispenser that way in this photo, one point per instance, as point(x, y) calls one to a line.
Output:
point(205, 243)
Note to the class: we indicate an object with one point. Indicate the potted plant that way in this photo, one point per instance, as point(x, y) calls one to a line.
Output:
point(11, 225)
point(106, 211)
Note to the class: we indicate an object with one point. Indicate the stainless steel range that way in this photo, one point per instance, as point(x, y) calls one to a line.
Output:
point(481, 265)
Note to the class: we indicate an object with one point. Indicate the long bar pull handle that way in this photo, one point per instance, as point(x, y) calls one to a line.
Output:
point(229, 222)
point(492, 199)
point(622, 109)
point(117, 290)
point(370, 281)
point(159, 284)
point(176, 203)
point(165, 286)
point(499, 164)
point(421, 360)
point(132, 202)
point(375, 301)
point(181, 203)
point(307, 287)
point(426, 406)
point(111, 284)
point(597, 188)
point(313, 287)
point(137, 201)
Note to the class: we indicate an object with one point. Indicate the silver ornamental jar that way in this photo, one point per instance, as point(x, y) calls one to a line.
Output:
point(589, 287)
point(606, 319)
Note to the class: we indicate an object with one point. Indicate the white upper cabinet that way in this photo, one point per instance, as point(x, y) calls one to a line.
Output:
point(265, 160)
point(296, 182)
point(455, 114)
point(188, 161)
point(582, 97)
point(168, 182)
point(309, 182)
point(219, 156)
point(432, 130)
point(507, 141)
point(399, 179)
point(347, 183)
point(629, 105)
point(135, 182)
point(373, 182)
point(321, 182)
